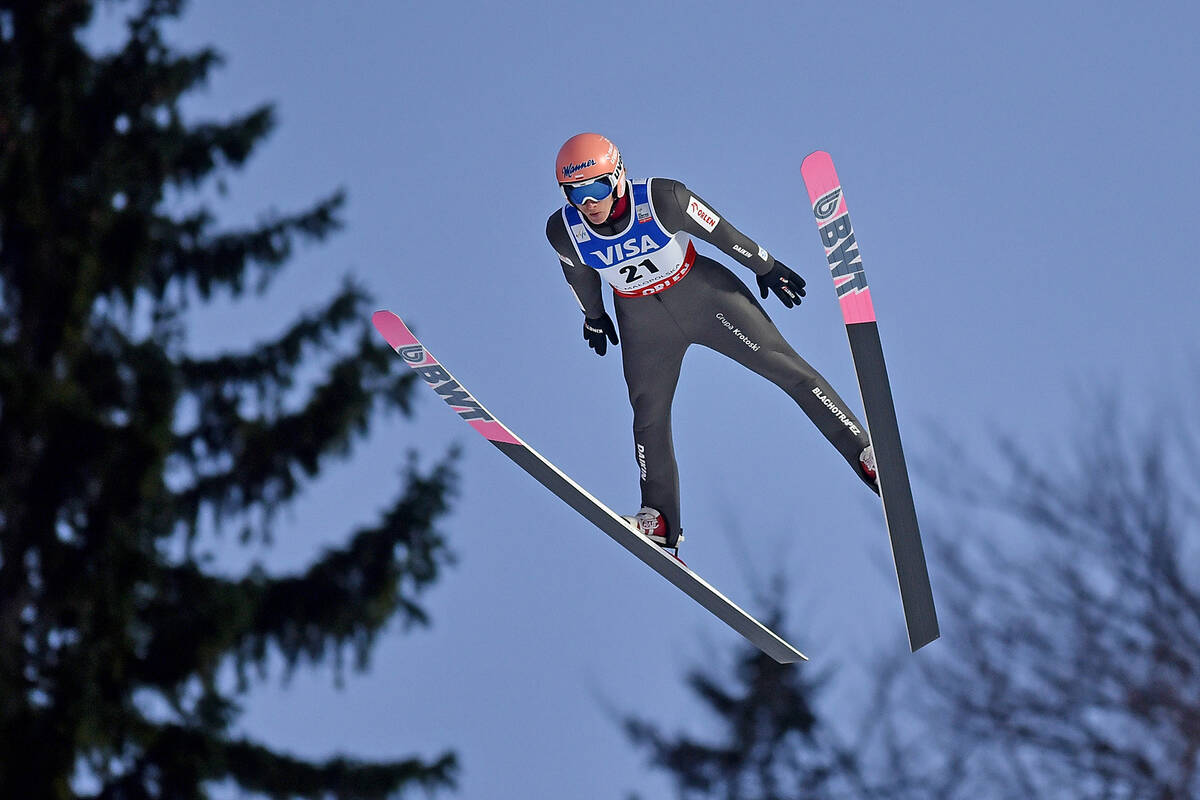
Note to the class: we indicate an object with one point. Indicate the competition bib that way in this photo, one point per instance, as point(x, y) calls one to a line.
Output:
point(642, 260)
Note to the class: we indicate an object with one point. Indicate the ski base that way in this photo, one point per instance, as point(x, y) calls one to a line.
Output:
point(899, 510)
point(617, 527)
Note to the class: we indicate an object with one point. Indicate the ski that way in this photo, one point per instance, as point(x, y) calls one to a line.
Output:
point(854, 296)
point(626, 534)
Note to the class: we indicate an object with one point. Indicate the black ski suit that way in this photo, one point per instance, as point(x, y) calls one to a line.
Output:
point(706, 305)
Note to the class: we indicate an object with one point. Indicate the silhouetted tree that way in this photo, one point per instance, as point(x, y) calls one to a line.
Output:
point(770, 743)
point(1071, 662)
point(119, 446)
point(1068, 583)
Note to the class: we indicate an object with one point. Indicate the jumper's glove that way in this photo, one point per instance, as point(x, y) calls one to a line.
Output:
point(596, 330)
point(787, 285)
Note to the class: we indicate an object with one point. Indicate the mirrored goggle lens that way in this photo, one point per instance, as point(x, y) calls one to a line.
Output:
point(596, 189)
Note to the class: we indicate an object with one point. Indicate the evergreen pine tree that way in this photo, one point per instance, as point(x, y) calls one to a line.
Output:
point(118, 444)
point(770, 742)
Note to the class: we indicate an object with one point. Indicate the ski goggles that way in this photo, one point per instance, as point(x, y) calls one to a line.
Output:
point(595, 189)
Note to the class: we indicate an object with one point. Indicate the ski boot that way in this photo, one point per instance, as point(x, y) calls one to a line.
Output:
point(866, 464)
point(654, 527)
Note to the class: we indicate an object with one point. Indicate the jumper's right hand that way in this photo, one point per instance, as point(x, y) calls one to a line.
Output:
point(597, 331)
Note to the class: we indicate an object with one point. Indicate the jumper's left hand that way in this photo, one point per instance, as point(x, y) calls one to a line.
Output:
point(787, 285)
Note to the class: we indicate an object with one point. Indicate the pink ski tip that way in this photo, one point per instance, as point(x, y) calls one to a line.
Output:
point(819, 175)
point(393, 329)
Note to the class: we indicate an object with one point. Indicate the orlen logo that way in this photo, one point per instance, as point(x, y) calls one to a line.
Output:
point(571, 169)
point(827, 204)
point(703, 214)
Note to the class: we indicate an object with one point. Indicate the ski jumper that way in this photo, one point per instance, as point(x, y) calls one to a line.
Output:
point(668, 297)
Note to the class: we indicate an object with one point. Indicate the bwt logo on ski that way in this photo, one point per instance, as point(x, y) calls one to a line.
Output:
point(626, 249)
point(827, 204)
point(447, 388)
point(842, 254)
point(571, 169)
point(413, 354)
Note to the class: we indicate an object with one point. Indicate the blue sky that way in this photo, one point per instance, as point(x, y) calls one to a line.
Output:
point(1021, 177)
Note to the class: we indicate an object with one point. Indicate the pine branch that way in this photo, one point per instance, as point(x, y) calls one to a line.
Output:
point(270, 367)
point(193, 619)
point(206, 263)
point(258, 769)
point(178, 760)
point(191, 153)
point(351, 593)
point(245, 461)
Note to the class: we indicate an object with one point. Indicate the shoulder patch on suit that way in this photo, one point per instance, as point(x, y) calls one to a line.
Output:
point(702, 214)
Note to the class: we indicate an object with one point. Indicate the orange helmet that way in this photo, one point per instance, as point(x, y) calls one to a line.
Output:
point(589, 167)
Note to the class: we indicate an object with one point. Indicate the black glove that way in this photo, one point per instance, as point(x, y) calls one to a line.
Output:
point(596, 329)
point(787, 285)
